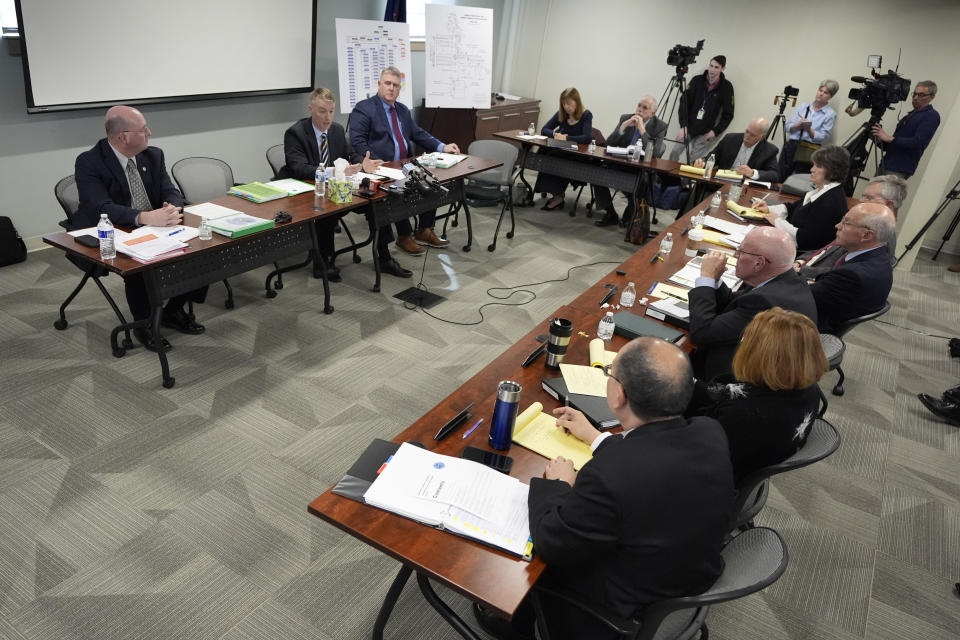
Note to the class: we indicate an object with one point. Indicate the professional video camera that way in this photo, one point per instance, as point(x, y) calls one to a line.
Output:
point(880, 91)
point(682, 56)
point(790, 92)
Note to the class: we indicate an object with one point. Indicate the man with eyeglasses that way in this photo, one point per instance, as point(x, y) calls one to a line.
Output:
point(860, 281)
point(127, 179)
point(904, 148)
point(611, 534)
point(889, 190)
point(718, 315)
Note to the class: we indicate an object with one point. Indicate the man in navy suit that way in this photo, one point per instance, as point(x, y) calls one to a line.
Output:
point(748, 153)
point(861, 280)
point(384, 127)
point(126, 179)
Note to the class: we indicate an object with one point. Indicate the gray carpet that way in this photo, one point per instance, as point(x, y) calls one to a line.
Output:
point(130, 511)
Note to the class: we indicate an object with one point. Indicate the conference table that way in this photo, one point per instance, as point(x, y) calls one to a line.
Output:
point(208, 261)
point(387, 207)
point(484, 575)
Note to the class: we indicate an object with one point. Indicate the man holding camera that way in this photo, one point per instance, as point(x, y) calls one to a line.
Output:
point(903, 149)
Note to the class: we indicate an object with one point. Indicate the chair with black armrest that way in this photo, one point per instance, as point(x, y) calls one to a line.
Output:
point(495, 184)
point(752, 490)
point(597, 136)
point(69, 198)
point(834, 347)
point(753, 561)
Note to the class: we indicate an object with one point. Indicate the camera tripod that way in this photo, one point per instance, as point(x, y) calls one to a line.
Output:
point(780, 120)
point(952, 195)
point(670, 100)
point(861, 146)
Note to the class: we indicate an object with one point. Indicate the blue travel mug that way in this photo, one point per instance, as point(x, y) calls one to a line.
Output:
point(504, 415)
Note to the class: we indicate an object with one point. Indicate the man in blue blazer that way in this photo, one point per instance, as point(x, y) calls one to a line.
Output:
point(126, 179)
point(385, 128)
point(860, 282)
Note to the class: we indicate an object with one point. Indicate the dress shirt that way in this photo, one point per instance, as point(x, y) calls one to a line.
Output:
point(854, 254)
point(781, 209)
point(396, 146)
point(821, 122)
point(743, 157)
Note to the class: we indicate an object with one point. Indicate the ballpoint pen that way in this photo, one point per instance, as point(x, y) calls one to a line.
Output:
point(607, 297)
point(173, 233)
point(471, 429)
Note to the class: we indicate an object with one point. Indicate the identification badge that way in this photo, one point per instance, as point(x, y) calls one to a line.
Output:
point(700, 114)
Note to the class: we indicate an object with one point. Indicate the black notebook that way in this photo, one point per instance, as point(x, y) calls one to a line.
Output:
point(365, 470)
point(593, 407)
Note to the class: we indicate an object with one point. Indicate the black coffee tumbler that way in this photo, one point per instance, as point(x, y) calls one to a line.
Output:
point(560, 331)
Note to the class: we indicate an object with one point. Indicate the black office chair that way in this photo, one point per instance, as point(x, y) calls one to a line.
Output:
point(752, 490)
point(276, 159)
point(495, 184)
point(66, 193)
point(753, 560)
point(834, 347)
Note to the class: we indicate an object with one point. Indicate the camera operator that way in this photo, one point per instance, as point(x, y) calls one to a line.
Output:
point(904, 148)
point(706, 109)
point(810, 123)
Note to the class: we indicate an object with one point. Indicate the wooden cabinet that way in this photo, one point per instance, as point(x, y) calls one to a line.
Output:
point(463, 126)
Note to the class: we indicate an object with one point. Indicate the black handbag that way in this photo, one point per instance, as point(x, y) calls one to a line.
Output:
point(12, 247)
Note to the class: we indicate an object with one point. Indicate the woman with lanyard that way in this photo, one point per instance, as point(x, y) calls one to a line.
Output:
point(807, 128)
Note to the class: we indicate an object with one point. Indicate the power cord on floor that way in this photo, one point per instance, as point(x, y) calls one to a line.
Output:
point(922, 333)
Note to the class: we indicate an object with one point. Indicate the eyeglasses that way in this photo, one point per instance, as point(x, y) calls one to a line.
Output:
point(145, 131)
point(737, 253)
point(606, 372)
point(917, 94)
point(872, 198)
point(846, 223)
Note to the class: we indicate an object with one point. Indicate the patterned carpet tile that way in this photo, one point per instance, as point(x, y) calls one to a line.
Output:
point(912, 604)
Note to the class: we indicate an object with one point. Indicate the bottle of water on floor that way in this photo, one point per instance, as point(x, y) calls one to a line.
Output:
point(629, 295)
point(106, 235)
point(666, 245)
point(605, 328)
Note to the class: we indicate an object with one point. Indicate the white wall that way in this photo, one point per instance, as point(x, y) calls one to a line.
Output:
point(615, 51)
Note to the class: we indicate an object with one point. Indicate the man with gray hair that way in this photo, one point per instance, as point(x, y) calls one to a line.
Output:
point(641, 127)
point(889, 190)
point(903, 149)
point(748, 153)
point(718, 316)
point(860, 281)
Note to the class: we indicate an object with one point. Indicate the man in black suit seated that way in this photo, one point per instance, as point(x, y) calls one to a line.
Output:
point(611, 534)
point(748, 153)
point(126, 179)
point(641, 127)
point(860, 282)
point(315, 140)
point(887, 189)
point(718, 316)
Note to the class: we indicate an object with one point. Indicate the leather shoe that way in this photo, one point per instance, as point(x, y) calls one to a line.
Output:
point(428, 237)
point(955, 267)
point(181, 321)
point(609, 220)
point(333, 273)
point(952, 395)
point(949, 411)
point(498, 627)
point(145, 337)
point(408, 244)
point(393, 267)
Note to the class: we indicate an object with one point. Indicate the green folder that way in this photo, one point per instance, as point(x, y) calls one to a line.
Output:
point(257, 192)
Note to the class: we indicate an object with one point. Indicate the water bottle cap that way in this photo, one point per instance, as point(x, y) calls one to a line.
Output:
point(629, 284)
point(609, 314)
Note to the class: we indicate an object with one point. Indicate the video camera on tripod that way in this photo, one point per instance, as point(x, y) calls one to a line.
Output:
point(879, 92)
point(682, 56)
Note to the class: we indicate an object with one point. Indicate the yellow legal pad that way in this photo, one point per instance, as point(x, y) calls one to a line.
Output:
point(744, 212)
point(539, 432)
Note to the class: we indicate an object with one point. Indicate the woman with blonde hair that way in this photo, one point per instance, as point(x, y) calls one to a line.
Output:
point(768, 405)
point(571, 122)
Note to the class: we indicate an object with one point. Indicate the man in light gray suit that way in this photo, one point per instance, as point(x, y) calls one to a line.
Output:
point(641, 127)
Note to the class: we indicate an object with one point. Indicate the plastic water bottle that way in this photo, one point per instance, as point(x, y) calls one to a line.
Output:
point(666, 245)
point(638, 152)
point(699, 219)
point(531, 129)
point(716, 200)
point(106, 233)
point(592, 147)
point(605, 328)
point(205, 232)
point(320, 181)
point(628, 296)
point(708, 168)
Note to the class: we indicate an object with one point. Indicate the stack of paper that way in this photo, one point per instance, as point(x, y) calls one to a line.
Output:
point(257, 192)
point(744, 212)
point(539, 432)
point(147, 244)
point(686, 168)
point(291, 186)
point(728, 174)
point(726, 226)
point(620, 151)
point(209, 211)
point(441, 160)
point(459, 495)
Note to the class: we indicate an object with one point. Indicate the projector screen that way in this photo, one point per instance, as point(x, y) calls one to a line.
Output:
point(79, 55)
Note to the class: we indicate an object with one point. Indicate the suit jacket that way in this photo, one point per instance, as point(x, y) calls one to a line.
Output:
point(816, 222)
point(643, 521)
point(910, 139)
point(656, 131)
point(303, 154)
point(718, 317)
point(857, 287)
point(763, 159)
point(103, 188)
point(370, 130)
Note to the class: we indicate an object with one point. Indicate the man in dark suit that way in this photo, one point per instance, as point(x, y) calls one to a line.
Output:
point(718, 316)
point(860, 282)
point(309, 141)
point(748, 153)
point(611, 534)
point(640, 127)
point(126, 179)
point(384, 127)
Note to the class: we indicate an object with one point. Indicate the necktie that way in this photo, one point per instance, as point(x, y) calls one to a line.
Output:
point(636, 136)
point(138, 195)
point(401, 144)
point(839, 262)
point(324, 152)
point(818, 254)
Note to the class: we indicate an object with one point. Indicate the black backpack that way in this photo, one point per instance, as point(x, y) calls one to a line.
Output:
point(12, 247)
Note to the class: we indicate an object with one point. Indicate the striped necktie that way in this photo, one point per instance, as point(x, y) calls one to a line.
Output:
point(324, 151)
point(138, 195)
point(401, 143)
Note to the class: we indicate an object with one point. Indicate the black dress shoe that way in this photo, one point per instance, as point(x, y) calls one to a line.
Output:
point(608, 220)
point(333, 273)
point(949, 411)
point(952, 395)
point(181, 321)
point(498, 627)
point(393, 267)
point(145, 336)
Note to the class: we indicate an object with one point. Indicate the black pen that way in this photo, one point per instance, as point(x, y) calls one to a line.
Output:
point(685, 231)
point(536, 353)
point(656, 257)
point(608, 295)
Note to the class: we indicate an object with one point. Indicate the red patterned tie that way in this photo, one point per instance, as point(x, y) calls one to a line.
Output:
point(839, 262)
point(401, 144)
